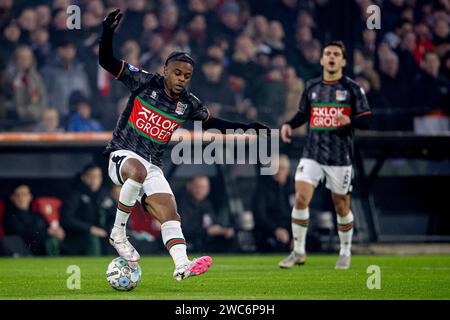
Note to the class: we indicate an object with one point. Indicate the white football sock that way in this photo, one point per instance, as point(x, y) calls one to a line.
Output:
point(345, 231)
point(300, 223)
point(127, 198)
point(174, 241)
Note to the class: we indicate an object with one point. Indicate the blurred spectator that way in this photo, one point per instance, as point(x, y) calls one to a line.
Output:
point(81, 214)
point(64, 75)
point(6, 99)
point(58, 29)
point(423, 43)
point(432, 95)
point(393, 84)
point(27, 22)
point(49, 122)
point(393, 37)
point(168, 20)
point(269, 92)
point(272, 209)
point(230, 24)
point(407, 55)
point(441, 36)
point(6, 12)
point(369, 43)
point(198, 35)
point(31, 226)
point(10, 40)
point(81, 120)
point(294, 89)
point(154, 44)
point(133, 20)
point(392, 10)
point(30, 97)
point(214, 235)
point(305, 57)
point(104, 90)
point(258, 29)
point(212, 88)
point(150, 23)
point(243, 67)
point(43, 16)
point(181, 41)
point(39, 42)
point(275, 36)
point(92, 19)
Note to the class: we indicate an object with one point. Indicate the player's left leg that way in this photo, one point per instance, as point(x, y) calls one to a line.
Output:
point(345, 228)
point(163, 207)
point(339, 182)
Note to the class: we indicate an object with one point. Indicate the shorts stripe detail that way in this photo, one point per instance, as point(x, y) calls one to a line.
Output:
point(173, 242)
point(300, 222)
point(345, 227)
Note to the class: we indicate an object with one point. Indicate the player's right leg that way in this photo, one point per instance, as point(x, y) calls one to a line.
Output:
point(307, 177)
point(130, 172)
point(163, 207)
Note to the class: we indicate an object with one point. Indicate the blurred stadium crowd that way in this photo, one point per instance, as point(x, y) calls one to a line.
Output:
point(253, 58)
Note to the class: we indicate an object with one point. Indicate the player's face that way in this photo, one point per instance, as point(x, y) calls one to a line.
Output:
point(332, 59)
point(177, 75)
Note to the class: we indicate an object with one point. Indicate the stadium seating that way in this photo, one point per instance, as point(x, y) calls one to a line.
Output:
point(48, 207)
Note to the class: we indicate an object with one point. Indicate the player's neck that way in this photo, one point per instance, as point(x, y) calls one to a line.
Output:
point(169, 93)
point(332, 76)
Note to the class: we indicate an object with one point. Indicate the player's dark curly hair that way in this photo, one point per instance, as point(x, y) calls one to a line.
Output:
point(336, 43)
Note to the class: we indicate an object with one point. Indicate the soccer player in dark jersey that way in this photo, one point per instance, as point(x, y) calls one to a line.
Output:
point(158, 105)
point(333, 105)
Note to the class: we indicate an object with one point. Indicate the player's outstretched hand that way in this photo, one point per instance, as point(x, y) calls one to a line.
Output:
point(112, 20)
point(259, 126)
point(286, 133)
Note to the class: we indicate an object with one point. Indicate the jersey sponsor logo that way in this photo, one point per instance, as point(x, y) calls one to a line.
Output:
point(152, 123)
point(181, 108)
point(341, 95)
point(323, 115)
point(133, 68)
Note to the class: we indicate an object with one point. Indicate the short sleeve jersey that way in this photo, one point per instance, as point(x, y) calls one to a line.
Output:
point(328, 143)
point(151, 116)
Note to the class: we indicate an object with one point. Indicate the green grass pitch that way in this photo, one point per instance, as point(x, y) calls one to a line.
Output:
point(249, 277)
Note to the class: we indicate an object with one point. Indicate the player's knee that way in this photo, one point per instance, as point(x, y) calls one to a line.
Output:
point(133, 169)
point(169, 215)
point(301, 200)
point(341, 210)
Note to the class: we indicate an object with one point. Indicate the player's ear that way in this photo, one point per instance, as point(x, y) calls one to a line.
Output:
point(321, 60)
point(165, 71)
point(344, 63)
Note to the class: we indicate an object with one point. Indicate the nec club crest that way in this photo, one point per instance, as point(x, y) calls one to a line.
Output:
point(341, 95)
point(181, 108)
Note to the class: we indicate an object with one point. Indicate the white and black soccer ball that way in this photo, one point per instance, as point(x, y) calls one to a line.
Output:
point(123, 275)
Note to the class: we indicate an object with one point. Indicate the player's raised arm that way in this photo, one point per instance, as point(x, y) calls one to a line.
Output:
point(200, 113)
point(106, 55)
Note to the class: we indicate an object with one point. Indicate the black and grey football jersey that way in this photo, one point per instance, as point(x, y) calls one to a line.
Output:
point(327, 142)
point(151, 116)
